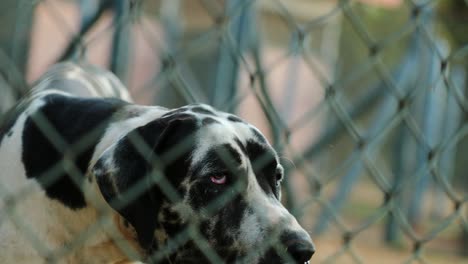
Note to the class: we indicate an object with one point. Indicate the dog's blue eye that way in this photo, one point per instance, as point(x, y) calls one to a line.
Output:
point(218, 179)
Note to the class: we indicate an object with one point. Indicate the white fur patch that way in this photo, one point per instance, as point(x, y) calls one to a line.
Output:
point(117, 130)
point(82, 80)
point(33, 226)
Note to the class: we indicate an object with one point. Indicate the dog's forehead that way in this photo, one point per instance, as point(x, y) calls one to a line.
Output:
point(217, 128)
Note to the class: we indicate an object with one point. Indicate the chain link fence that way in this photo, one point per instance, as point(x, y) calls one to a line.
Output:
point(365, 101)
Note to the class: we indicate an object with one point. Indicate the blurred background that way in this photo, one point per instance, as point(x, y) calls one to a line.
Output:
point(366, 101)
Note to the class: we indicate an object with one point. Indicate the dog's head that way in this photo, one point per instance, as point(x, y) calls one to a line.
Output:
point(197, 181)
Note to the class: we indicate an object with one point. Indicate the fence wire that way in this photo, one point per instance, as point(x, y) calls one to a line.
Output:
point(365, 101)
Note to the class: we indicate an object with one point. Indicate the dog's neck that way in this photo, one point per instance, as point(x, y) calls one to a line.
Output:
point(112, 231)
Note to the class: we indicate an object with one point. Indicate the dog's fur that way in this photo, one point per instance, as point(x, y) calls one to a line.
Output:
point(95, 180)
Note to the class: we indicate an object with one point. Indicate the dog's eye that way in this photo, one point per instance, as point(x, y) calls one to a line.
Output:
point(218, 179)
point(278, 183)
point(279, 177)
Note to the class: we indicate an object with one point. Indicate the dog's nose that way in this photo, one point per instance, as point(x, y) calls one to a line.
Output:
point(299, 246)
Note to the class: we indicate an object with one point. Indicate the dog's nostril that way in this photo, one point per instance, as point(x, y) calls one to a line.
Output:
point(301, 252)
point(300, 249)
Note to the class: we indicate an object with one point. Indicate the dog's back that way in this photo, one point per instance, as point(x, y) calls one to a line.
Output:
point(82, 80)
point(26, 212)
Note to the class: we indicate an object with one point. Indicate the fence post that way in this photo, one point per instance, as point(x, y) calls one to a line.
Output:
point(16, 18)
point(120, 57)
point(241, 16)
point(90, 12)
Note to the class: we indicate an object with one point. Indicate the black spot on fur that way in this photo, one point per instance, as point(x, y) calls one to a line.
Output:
point(232, 217)
point(263, 160)
point(202, 110)
point(209, 121)
point(234, 118)
point(233, 153)
point(241, 146)
point(72, 118)
point(258, 136)
point(223, 228)
point(171, 216)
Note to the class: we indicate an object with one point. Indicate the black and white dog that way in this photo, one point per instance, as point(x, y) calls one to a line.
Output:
point(87, 179)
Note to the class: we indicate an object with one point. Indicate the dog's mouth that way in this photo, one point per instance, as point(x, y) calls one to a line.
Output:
point(281, 262)
point(273, 256)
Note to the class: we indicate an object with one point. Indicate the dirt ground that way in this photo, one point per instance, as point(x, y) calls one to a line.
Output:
point(368, 246)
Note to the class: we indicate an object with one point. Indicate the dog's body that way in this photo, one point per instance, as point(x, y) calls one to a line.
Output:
point(93, 180)
point(32, 225)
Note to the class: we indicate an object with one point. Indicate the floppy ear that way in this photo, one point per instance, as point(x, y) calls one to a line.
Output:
point(122, 172)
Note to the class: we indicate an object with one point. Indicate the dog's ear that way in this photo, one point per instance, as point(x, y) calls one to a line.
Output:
point(123, 172)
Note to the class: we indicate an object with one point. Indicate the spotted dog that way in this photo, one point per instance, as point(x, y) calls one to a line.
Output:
point(100, 180)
